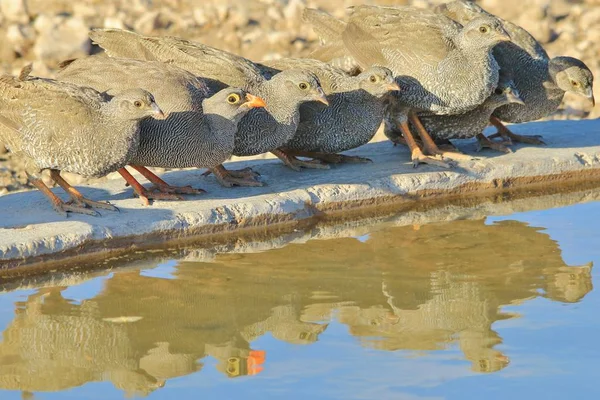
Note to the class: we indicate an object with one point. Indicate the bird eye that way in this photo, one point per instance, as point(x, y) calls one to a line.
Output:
point(498, 91)
point(484, 29)
point(575, 83)
point(373, 79)
point(137, 103)
point(303, 85)
point(233, 98)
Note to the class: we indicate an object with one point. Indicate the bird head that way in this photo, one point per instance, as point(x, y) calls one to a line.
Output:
point(138, 104)
point(572, 75)
point(378, 81)
point(302, 84)
point(231, 103)
point(486, 31)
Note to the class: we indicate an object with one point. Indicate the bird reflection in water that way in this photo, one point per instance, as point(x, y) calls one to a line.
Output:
point(430, 289)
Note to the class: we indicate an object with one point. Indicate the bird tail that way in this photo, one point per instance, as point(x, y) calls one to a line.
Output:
point(122, 43)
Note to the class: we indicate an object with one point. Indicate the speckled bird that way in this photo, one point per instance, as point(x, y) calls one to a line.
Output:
point(355, 111)
point(199, 130)
point(262, 130)
point(441, 66)
point(542, 81)
point(60, 126)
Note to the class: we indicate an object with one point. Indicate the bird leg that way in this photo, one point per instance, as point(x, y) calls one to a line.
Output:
point(331, 158)
point(485, 142)
point(296, 164)
point(59, 206)
point(429, 145)
point(76, 196)
point(144, 194)
point(162, 186)
point(510, 137)
point(417, 155)
point(232, 178)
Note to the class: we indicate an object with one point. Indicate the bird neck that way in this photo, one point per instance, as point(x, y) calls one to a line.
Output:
point(283, 107)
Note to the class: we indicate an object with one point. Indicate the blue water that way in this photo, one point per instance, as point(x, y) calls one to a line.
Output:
point(502, 307)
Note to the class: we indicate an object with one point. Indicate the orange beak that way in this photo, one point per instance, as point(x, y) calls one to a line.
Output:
point(392, 87)
point(254, 101)
point(158, 113)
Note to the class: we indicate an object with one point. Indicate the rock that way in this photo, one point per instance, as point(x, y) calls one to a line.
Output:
point(14, 10)
point(60, 38)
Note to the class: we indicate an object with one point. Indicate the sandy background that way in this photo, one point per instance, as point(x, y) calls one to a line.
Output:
point(46, 32)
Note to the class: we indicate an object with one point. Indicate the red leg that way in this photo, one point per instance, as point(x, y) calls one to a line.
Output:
point(163, 186)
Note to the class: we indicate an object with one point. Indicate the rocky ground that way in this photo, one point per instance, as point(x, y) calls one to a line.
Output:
point(46, 32)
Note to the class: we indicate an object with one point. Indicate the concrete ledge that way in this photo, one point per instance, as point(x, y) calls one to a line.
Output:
point(30, 231)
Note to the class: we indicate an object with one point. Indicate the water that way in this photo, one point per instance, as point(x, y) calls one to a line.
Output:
point(493, 307)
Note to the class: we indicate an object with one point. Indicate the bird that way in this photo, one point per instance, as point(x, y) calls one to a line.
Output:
point(355, 111)
point(442, 66)
point(262, 130)
point(60, 126)
point(542, 81)
point(470, 124)
point(199, 129)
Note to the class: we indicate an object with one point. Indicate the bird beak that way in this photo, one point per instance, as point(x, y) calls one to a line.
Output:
point(393, 87)
point(320, 96)
point(514, 97)
point(503, 36)
point(590, 95)
point(254, 101)
point(158, 113)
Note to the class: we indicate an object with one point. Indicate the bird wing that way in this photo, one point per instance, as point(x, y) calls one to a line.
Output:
point(199, 59)
point(406, 35)
point(327, 27)
point(363, 46)
point(37, 109)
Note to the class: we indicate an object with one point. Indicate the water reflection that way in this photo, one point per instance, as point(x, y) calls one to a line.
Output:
point(399, 288)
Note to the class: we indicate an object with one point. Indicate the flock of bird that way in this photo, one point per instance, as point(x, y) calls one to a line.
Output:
point(442, 73)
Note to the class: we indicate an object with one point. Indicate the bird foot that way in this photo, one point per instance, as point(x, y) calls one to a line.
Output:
point(230, 181)
point(64, 208)
point(451, 155)
point(244, 173)
point(510, 138)
point(245, 177)
point(418, 157)
point(333, 158)
point(147, 195)
point(297, 164)
point(87, 204)
point(175, 189)
point(484, 142)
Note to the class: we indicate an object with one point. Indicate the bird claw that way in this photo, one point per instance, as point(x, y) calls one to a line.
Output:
point(297, 164)
point(419, 158)
point(149, 195)
point(65, 208)
point(175, 189)
point(510, 138)
point(230, 181)
point(245, 173)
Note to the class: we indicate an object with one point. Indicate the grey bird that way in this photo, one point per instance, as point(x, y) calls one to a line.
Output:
point(470, 124)
point(441, 66)
point(542, 81)
point(64, 127)
point(355, 111)
point(262, 130)
point(199, 130)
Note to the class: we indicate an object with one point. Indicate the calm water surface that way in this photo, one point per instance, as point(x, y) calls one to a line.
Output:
point(494, 308)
